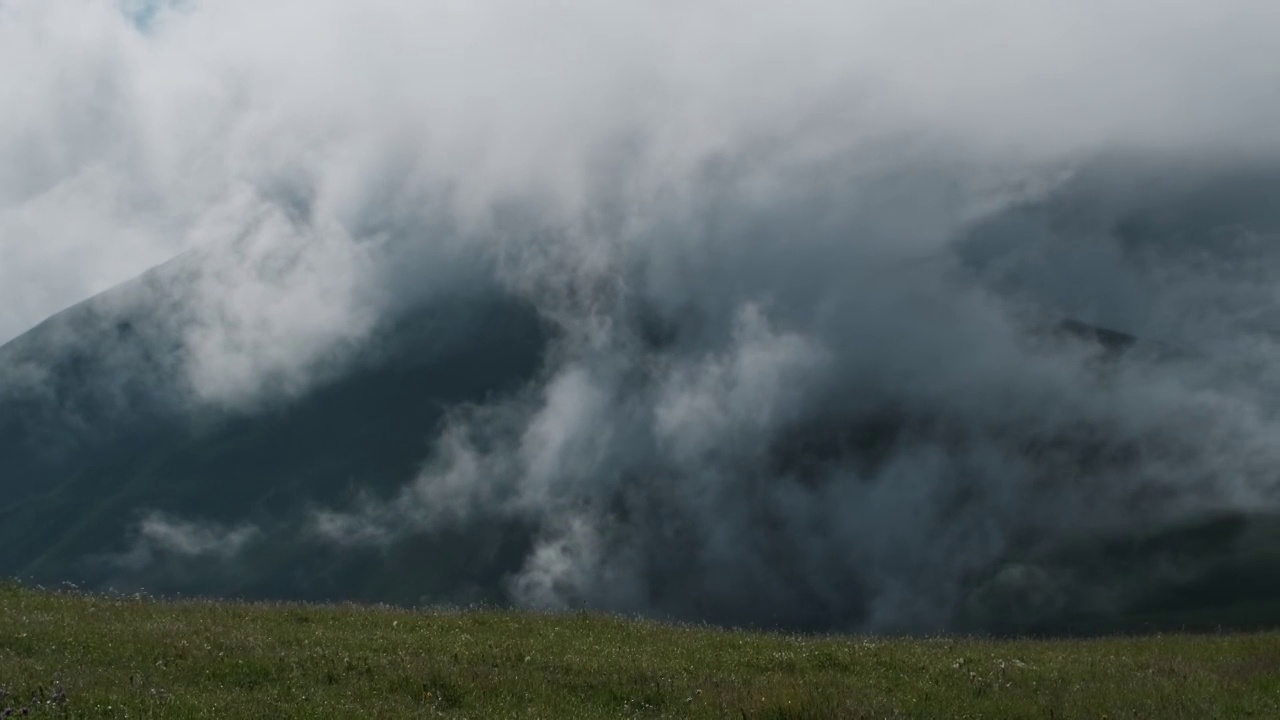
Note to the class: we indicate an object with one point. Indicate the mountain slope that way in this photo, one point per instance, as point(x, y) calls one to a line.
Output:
point(102, 430)
point(114, 471)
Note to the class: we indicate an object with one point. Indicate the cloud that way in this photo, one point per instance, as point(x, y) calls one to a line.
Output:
point(776, 392)
point(160, 537)
point(119, 142)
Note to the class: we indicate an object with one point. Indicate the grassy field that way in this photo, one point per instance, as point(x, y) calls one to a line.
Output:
point(64, 655)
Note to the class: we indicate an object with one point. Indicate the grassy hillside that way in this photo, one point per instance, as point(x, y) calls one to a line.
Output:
point(82, 656)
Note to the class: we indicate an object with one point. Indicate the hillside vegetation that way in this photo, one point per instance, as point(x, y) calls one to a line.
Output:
point(71, 655)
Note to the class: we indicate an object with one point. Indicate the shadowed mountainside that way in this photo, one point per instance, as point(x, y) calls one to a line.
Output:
point(103, 428)
point(98, 426)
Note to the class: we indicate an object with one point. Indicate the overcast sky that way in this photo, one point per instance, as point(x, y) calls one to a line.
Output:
point(131, 133)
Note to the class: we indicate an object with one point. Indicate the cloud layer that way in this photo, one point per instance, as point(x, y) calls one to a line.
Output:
point(124, 145)
point(776, 392)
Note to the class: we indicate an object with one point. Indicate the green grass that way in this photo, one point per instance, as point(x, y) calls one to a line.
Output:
point(139, 658)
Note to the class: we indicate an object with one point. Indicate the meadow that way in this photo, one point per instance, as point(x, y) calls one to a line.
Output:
point(72, 655)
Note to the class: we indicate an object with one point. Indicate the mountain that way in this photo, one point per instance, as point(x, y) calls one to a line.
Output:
point(101, 433)
point(97, 426)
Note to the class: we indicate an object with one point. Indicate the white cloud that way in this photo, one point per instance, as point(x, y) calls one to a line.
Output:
point(115, 141)
point(160, 536)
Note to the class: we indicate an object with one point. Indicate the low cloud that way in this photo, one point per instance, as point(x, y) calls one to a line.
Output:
point(797, 262)
point(160, 537)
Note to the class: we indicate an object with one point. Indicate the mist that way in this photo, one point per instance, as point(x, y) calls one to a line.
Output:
point(797, 265)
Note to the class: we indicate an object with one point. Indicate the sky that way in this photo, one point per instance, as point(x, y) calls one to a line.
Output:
point(130, 127)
